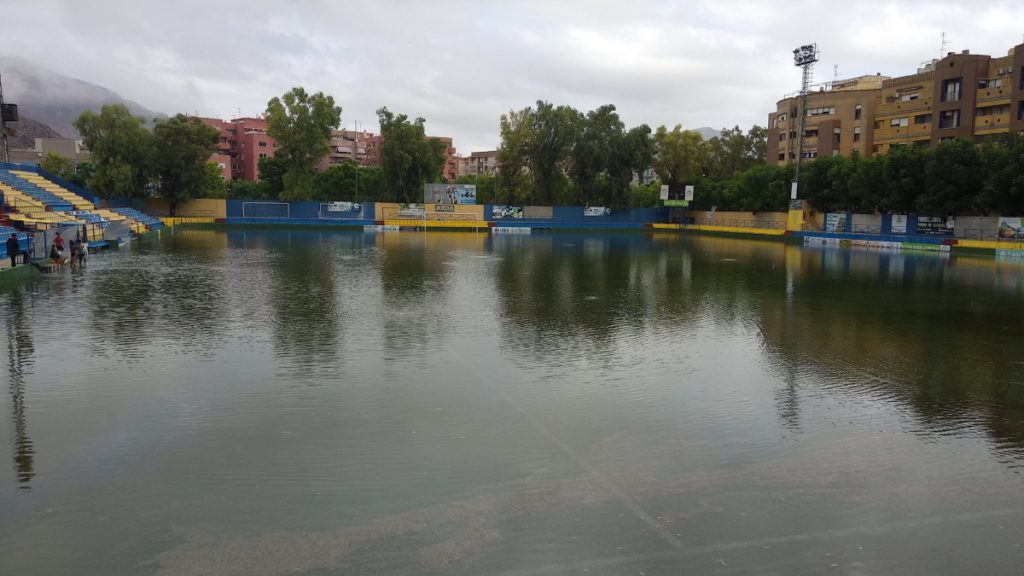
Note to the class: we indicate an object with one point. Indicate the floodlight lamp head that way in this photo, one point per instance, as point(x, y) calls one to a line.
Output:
point(804, 55)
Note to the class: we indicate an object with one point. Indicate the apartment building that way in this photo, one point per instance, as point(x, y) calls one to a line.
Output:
point(963, 95)
point(839, 120)
point(243, 141)
point(479, 163)
point(348, 146)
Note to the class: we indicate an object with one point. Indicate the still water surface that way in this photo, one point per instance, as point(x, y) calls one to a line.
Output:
point(263, 403)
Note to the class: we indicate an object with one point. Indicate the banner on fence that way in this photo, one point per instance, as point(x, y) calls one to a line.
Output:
point(899, 223)
point(505, 212)
point(835, 222)
point(411, 211)
point(596, 211)
point(1010, 229)
point(935, 225)
point(449, 193)
point(342, 206)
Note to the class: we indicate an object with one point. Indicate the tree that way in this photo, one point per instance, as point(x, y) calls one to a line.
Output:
point(552, 133)
point(600, 131)
point(733, 151)
point(58, 165)
point(213, 185)
point(271, 184)
point(371, 184)
point(903, 172)
point(953, 178)
point(242, 190)
point(680, 155)
point(301, 124)
point(407, 157)
point(513, 179)
point(183, 146)
point(336, 183)
point(122, 151)
point(631, 153)
point(762, 188)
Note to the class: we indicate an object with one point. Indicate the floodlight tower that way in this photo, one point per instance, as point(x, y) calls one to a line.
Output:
point(803, 57)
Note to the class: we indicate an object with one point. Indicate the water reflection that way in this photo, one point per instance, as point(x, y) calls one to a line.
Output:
point(169, 292)
point(20, 352)
point(417, 300)
point(303, 301)
point(925, 331)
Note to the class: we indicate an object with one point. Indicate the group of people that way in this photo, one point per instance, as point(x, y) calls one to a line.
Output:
point(79, 250)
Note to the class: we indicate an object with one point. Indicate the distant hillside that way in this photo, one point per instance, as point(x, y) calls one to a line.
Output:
point(709, 133)
point(27, 132)
point(56, 100)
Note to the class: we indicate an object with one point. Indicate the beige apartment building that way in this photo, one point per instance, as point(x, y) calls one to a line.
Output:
point(963, 95)
point(479, 163)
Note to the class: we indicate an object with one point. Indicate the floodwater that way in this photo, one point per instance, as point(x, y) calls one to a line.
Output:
point(268, 402)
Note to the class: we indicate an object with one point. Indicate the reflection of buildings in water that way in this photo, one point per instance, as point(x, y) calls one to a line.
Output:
point(922, 331)
point(19, 358)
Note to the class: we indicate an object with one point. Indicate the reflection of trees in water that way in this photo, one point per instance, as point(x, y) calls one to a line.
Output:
point(175, 293)
point(416, 304)
point(19, 359)
point(589, 294)
point(921, 331)
point(306, 316)
point(568, 293)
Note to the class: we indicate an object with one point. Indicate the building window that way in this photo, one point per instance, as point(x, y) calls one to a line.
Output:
point(821, 111)
point(949, 119)
point(263, 154)
point(810, 154)
point(856, 134)
point(899, 122)
point(857, 111)
point(909, 97)
point(878, 124)
point(262, 144)
point(993, 110)
point(951, 89)
point(811, 133)
point(922, 119)
point(1020, 110)
point(782, 136)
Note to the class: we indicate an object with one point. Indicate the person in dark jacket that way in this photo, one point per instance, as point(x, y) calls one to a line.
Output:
point(13, 249)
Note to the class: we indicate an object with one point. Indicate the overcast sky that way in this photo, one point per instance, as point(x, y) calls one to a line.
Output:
point(461, 64)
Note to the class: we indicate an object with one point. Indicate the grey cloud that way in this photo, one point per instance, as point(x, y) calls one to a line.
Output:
point(461, 64)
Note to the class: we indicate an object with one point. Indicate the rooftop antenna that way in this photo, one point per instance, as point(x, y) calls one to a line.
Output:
point(942, 49)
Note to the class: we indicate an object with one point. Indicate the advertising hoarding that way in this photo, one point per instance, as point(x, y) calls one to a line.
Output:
point(449, 193)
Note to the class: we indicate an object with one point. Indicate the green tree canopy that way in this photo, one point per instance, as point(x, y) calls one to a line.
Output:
point(301, 124)
point(183, 146)
point(58, 165)
point(553, 132)
point(408, 158)
point(513, 179)
point(122, 151)
point(680, 155)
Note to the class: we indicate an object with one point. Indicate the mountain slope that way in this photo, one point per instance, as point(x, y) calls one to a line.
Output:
point(56, 100)
point(27, 132)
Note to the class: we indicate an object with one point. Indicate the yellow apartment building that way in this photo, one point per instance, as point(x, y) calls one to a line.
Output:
point(963, 95)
